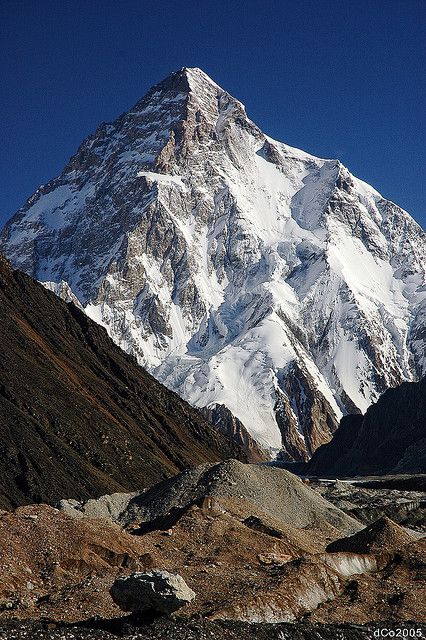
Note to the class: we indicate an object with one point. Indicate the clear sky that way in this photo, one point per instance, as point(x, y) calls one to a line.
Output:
point(338, 78)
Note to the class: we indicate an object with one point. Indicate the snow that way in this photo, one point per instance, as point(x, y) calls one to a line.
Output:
point(245, 250)
point(162, 178)
point(55, 209)
point(370, 278)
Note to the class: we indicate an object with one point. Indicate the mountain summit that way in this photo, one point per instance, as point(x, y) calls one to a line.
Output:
point(258, 281)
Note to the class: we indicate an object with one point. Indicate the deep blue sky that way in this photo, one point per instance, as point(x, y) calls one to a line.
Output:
point(338, 78)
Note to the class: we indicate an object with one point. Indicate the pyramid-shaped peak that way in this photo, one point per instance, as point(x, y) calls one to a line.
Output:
point(195, 74)
point(192, 81)
point(189, 85)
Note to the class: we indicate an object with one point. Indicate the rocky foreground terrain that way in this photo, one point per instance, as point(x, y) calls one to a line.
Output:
point(203, 630)
point(369, 500)
point(266, 555)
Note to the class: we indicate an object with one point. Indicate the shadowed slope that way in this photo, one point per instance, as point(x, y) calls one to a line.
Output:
point(389, 438)
point(78, 417)
point(379, 536)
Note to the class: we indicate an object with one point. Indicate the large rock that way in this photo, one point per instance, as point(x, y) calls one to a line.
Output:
point(158, 591)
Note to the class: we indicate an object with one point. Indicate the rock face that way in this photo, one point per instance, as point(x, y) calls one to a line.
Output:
point(240, 271)
point(223, 419)
point(78, 416)
point(389, 438)
point(158, 591)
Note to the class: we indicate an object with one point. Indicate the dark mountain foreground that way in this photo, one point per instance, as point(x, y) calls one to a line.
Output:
point(78, 417)
point(252, 543)
point(389, 439)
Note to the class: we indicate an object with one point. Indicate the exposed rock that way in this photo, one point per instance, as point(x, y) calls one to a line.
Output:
point(222, 418)
point(158, 591)
point(108, 506)
point(389, 438)
point(317, 420)
point(228, 266)
point(273, 558)
point(382, 535)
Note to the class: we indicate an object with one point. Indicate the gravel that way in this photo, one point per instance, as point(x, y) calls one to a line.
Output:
point(165, 629)
point(275, 491)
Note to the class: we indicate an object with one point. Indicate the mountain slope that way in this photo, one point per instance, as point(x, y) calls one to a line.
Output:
point(78, 417)
point(241, 272)
point(389, 438)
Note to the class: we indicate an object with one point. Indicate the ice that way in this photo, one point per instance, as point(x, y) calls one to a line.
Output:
point(238, 258)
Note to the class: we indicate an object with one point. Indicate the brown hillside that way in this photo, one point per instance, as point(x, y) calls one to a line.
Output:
point(79, 417)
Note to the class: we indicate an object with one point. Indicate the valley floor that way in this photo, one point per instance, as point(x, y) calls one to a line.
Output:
point(205, 630)
point(268, 555)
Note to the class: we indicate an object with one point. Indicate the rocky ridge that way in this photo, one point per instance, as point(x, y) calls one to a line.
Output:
point(276, 492)
point(389, 439)
point(241, 272)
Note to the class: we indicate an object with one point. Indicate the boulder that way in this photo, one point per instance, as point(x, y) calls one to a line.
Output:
point(158, 591)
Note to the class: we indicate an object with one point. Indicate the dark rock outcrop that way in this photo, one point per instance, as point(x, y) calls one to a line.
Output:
point(377, 537)
point(221, 417)
point(389, 438)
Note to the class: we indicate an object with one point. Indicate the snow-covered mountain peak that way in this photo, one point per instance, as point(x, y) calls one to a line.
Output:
point(247, 275)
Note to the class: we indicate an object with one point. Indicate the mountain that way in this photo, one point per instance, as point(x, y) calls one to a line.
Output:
point(248, 276)
point(389, 438)
point(79, 417)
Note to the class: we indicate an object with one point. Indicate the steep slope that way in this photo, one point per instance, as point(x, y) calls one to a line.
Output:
point(79, 417)
point(241, 272)
point(389, 438)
